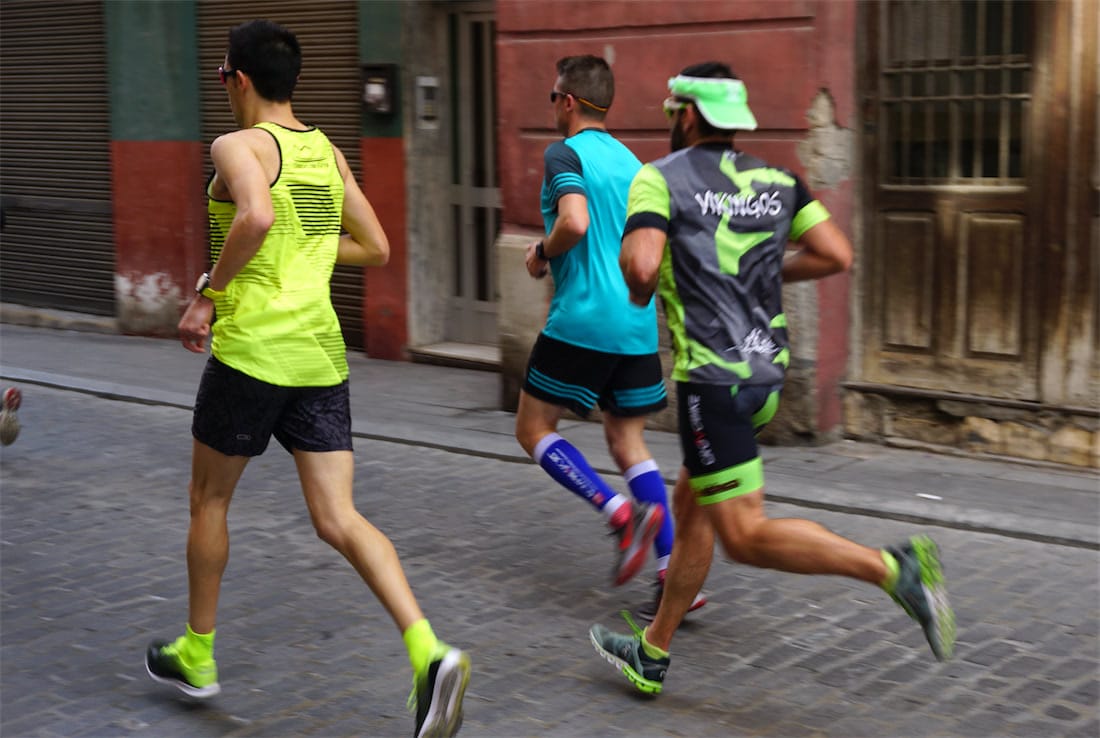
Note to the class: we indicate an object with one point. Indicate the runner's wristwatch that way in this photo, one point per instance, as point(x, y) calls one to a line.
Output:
point(202, 287)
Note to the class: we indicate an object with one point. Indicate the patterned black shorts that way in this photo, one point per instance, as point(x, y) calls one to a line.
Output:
point(236, 414)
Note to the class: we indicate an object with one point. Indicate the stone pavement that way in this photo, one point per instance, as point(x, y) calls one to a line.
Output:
point(93, 519)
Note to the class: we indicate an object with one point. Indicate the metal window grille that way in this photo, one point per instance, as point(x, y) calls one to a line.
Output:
point(955, 91)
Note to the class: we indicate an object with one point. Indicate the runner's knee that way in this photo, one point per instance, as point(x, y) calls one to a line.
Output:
point(333, 529)
point(738, 521)
point(207, 496)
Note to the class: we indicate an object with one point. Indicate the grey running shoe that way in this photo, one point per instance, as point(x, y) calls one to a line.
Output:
point(647, 611)
point(438, 693)
point(9, 421)
point(922, 593)
point(635, 538)
point(626, 654)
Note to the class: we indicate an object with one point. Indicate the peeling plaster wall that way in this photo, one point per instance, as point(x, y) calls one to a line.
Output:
point(149, 304)
point(827, 150)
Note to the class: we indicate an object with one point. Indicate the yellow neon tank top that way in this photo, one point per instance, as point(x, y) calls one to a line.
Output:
point(275, 321)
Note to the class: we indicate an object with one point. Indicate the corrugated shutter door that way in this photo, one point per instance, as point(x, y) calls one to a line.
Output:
point(327, 96)
point(57, 240)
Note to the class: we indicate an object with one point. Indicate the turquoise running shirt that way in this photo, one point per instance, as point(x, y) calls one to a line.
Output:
point(591, 306)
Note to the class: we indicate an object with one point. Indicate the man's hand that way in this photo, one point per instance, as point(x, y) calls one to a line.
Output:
point(194, 326)
point(536, 267)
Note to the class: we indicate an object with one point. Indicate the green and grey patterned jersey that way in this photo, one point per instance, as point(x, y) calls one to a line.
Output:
point(728, 217)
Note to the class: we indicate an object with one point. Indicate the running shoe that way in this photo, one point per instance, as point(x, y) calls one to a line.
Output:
point(437, 694)
point(166, 665)
point(635, 538)
point(9, 422)
point(648, 610)
point(626, 654)
point(922, 593)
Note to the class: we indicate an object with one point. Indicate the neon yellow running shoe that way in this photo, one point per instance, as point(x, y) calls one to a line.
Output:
point(165, 664)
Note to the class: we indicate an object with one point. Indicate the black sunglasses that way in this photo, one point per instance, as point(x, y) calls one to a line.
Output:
point(554, 95)
point(225, 73)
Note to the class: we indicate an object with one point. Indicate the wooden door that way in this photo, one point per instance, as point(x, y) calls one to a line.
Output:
point(950, 294)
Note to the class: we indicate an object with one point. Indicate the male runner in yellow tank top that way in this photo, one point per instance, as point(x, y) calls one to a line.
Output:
point(279, 197)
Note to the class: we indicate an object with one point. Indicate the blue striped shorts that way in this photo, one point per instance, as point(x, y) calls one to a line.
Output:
point(578, 378)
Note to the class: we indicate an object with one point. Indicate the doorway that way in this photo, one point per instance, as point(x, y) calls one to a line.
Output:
point(475, 200)
point(952, 168)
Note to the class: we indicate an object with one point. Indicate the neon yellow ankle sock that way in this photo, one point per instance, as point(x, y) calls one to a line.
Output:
point(199, 647)
point(652, 651)
point(892, 571)
point(421, 644)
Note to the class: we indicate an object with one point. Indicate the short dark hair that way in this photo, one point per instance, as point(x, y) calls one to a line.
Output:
point(588, 77)
point(715, 70)
point(269, 54)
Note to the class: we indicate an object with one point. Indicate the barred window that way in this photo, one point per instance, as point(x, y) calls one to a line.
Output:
point(955, 90)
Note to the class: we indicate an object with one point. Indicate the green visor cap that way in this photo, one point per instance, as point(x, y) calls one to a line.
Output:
point(723, 102)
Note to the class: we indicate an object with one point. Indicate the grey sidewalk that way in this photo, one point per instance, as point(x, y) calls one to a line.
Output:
point(455, 410)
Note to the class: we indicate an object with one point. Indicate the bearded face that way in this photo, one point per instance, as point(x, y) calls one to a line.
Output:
point(677, 139)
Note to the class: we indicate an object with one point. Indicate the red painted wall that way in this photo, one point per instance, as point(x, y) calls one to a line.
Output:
point(835, 72)
point(532, 36)
point(159, 219)
point(385, 318)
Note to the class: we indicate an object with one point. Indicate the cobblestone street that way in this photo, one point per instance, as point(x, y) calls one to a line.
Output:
point(93, 520)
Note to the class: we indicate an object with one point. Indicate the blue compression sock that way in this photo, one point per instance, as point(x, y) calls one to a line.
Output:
point(568, 467)
point(647, 486)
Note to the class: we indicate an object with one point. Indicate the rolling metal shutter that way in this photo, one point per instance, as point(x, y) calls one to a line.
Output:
point(57, 245)
point(327, 96)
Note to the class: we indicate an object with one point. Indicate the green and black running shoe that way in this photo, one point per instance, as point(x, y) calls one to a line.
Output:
point(922, 593)
point(626, 654)
point(166, 665)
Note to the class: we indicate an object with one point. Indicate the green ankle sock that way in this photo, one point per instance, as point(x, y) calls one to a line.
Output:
point(198, 648)
point(421, 644)
point(892, 571)
point(652, 651)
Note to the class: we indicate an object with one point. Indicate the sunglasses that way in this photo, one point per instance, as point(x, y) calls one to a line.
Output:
point(672, 106)
point(225, 74)
point(554, 95)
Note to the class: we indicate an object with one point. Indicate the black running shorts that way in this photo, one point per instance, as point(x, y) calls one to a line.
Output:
point(578, 378)
point(236, 414)
point(718, 427)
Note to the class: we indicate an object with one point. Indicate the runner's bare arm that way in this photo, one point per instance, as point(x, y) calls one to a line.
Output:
point(238, 164)
point(640, 261)
point(570, 227)
point(568, 230)
point(822, 250)
point(365, 243)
